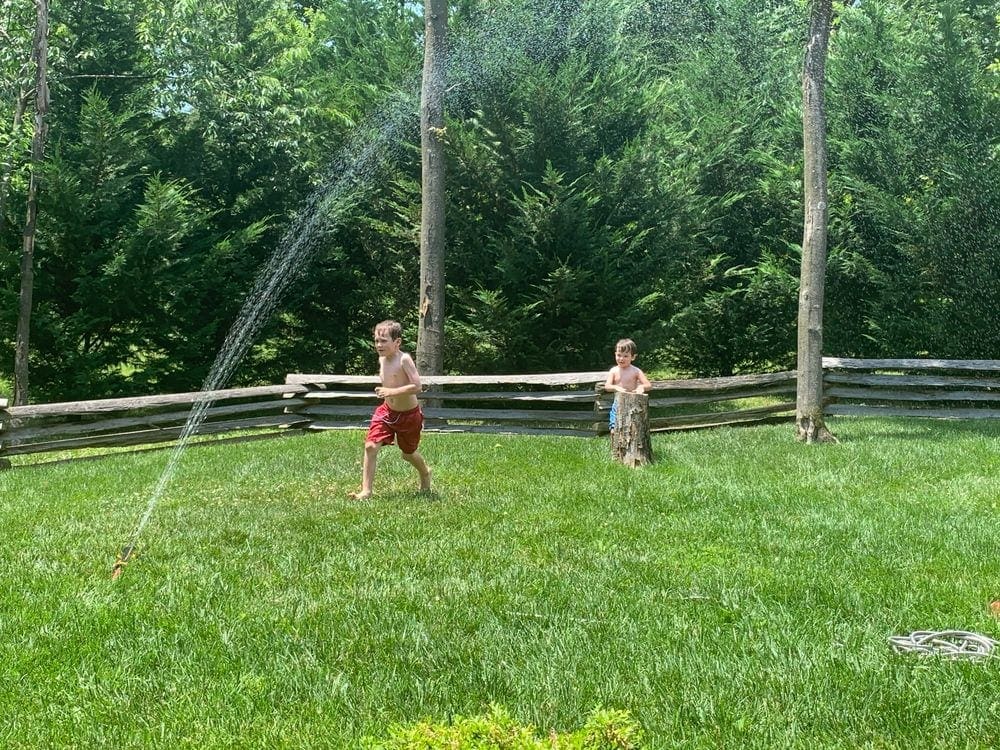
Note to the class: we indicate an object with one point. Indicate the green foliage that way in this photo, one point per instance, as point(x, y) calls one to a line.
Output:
point(112, 229)
point(497, 730)
point(614, 168)
point(915, 182)
point(620, 208)
point(182, 139)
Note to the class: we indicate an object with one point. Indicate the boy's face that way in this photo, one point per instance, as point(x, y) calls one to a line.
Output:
point(385, 345)
point(623, 357)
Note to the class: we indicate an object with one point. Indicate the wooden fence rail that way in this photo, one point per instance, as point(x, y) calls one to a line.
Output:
point(555, 404)
point(117, 422)
point(550, 404)
point(931, 388)
point(713, 402)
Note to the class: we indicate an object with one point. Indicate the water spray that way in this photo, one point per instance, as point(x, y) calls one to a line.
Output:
point(480, 61)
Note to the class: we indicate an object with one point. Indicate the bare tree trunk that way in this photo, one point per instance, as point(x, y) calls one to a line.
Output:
point(430, 332)
point(809, 424)
point(40, 55)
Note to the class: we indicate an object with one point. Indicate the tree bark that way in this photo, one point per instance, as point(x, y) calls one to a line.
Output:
point(809, 424)
point(630, 441)
point(430, 332)
point(21, 345)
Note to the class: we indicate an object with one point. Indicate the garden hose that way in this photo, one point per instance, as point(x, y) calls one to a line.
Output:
point(949, 644)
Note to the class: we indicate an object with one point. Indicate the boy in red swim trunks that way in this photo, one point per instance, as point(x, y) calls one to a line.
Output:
point(398, 416)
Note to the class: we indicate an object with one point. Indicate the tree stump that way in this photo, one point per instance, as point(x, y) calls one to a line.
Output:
point(630, 442)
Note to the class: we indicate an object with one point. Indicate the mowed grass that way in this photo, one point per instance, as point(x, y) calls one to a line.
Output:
point(738, 593)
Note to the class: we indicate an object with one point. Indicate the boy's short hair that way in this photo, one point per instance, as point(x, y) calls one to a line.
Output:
point(391, 328)
point(628, 346)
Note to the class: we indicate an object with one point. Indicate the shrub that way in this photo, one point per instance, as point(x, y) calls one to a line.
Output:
point(604, 729)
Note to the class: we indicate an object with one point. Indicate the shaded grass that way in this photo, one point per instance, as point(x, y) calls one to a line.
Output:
point(737, 593)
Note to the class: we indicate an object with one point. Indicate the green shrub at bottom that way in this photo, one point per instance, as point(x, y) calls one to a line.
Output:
point(604, 730)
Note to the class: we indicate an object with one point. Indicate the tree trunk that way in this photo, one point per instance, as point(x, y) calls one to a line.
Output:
point(809, 425)
point(21, 348)
point(430, 332)
point(630, 441)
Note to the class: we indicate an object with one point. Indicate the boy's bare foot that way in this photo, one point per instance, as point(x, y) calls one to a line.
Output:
point(425, 482)
point(359, 495)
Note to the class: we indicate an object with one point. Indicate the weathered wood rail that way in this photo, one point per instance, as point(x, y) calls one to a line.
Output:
point(930, 388)
point(550, 404)
point(146, 420)
point(712, 402)
point(547, 404)
point(554, 404)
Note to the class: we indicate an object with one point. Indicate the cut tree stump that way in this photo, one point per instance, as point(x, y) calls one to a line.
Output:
point(630, 442)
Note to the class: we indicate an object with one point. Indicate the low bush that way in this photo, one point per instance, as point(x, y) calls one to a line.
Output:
point(497, 730)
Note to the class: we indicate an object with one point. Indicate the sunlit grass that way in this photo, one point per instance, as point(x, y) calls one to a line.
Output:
point(737, 593)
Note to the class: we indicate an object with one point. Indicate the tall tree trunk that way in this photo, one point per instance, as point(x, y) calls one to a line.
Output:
point(809, 424)
point(430, 333)
point(40, 55)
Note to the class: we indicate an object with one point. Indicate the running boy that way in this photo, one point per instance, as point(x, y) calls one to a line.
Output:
point(624, 376)
point(398, 416)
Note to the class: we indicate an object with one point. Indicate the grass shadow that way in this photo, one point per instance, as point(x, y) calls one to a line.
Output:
point(915, 428)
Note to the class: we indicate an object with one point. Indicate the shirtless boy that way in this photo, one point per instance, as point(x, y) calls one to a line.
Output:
point(398, 417)
point(624, 376)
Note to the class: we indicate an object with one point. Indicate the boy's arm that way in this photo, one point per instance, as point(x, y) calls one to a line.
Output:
point(609, 384)
point(644, 384)
point(410, 368)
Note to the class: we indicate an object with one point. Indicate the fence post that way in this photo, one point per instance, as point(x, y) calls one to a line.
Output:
point(600, 415)
point(630, 441)
point(5, 421)
point(301, 411)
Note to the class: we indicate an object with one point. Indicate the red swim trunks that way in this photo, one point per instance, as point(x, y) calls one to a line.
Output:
point(388, 424)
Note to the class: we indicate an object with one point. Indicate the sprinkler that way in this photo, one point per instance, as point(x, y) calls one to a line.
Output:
point(123, 557)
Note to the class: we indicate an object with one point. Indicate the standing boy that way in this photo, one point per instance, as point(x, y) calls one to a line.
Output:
point(398, 416)
point(624, 376)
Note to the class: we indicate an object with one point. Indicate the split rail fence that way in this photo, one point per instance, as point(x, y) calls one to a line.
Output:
point(931, 388)
point(145, 420)
point(552, 404)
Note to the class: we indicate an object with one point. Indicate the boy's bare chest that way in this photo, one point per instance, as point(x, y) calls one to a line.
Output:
point(391, 374)
point(628, 378)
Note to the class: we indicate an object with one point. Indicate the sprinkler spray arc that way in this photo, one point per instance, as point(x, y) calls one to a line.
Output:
point(479, 60)
point(350, 174)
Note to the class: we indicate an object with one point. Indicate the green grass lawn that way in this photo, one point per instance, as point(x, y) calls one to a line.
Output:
point(738, 593)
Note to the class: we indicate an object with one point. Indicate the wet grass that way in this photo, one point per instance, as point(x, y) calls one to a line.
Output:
point(737, 593)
